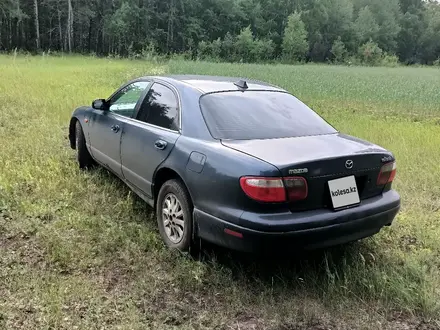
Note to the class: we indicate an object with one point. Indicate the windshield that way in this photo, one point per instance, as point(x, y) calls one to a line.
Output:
point(252, 115)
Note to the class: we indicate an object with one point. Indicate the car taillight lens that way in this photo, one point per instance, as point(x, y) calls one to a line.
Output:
point(296, 188)
point(264, 189)
point(387, 174)
point(274, 190)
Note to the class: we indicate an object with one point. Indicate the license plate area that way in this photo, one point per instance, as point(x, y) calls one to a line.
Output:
point(344, 192)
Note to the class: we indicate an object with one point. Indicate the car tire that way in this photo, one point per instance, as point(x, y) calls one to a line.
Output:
point(174, 216)
point(84, 158)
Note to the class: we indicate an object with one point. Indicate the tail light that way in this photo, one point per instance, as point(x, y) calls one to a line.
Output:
point(387, 174)
point(264, 189)
point(273, 190)
point(297, 188)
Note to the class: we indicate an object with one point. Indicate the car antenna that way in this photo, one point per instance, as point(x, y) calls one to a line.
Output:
point(241, 84)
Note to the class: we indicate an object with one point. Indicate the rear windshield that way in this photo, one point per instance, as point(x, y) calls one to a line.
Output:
point(252, 115)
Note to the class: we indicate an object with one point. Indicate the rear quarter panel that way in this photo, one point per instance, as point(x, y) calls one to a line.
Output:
point(216, 188)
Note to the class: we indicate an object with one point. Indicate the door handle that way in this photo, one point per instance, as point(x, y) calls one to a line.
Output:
point(160, 144)
point(115, 128)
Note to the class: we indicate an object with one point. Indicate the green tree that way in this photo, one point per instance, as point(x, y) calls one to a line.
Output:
point(252, 15)
point(295, 44)
point(340, 21)
point(204, 50)
point(315, 17)
point(216, 48)
point(411, 5)
point(409, 41)
point(244, 44)
point(262, 49)
point(408, 28)
point(370, 53)
point(121, 26)
point(365, 26)
point(339, 51)
point(325, 22)
point(430, 41)
point(387, 15)
point(228, 51)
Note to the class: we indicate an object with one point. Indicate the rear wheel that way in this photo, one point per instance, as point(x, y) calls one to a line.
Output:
point(85, 160)
point(174, 215)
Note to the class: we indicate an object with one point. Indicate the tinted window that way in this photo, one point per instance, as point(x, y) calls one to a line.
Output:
point(160, 108)
point(259, 115)
point(124, 102)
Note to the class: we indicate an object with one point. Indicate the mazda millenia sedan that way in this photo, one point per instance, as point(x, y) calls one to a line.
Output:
point(239, 163)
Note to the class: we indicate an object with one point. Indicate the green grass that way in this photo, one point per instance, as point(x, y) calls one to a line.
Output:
point(78, 249)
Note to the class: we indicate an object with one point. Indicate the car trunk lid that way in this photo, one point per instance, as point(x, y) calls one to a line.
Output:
point(320, 159)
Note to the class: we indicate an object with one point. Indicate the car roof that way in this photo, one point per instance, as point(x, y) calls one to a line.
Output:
point(210, 84)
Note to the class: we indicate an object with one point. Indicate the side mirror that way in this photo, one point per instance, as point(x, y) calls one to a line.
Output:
point(99, 104)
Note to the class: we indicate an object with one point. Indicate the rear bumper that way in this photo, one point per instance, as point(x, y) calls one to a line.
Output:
point(305, 230)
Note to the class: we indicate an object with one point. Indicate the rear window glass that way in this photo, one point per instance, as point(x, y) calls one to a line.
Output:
point(260, 115)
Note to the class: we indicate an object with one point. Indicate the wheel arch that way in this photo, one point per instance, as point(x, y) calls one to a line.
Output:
point(163, 175)
point(72, 132)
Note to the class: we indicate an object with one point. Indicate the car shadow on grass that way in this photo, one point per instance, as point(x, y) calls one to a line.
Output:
point(295, 264)
point(291, 263)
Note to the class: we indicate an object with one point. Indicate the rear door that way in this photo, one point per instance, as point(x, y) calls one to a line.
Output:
point(149, 138)
point(107, 125)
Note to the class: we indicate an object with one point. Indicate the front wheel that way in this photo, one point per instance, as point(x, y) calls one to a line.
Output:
point(174, 215)
point(85, 160)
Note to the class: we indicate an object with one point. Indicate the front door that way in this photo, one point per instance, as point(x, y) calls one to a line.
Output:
point(149, 138)
point(107, 125)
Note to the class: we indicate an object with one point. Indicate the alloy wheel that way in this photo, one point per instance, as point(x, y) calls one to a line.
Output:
point(173, 218)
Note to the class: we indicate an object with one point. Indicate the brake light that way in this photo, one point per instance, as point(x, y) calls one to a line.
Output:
point(387, 174)
point(264, 189)
point(297, 188)
point(273, 190)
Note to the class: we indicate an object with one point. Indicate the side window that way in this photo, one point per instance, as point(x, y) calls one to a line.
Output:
point(124, 102)
point(160, 108)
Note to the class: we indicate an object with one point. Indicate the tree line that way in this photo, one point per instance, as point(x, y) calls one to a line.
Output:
point(367, 31)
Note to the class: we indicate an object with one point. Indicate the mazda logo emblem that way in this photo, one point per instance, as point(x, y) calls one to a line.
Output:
point(349, 164)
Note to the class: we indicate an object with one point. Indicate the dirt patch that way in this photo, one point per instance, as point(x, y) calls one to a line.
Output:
point(246, 322)
point(21, 248)
point(116, 277)
point(402, 321)
point(409, 242)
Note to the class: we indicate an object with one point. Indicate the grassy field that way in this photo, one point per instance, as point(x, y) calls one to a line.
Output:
point(79, 251)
